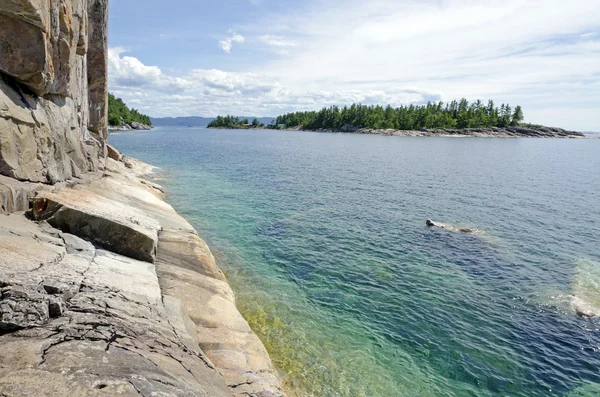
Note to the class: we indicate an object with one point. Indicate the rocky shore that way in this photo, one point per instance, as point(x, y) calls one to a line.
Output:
point(509, 132)
point(106, 290)
point(129, 127)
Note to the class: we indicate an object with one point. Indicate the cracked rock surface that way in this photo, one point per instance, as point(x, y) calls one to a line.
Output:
point(82, 315)
point(77, 320)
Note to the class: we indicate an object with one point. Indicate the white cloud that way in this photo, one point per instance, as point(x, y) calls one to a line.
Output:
point(541, 54)
point(227, 43)
point(520, 51)
point(209, 92)
point(127, 71)
point(277, 41)
point(239, 83)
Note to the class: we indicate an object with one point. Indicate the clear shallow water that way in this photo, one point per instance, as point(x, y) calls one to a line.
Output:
point(323, 239)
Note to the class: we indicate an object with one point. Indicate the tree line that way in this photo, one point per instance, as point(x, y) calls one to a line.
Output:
point(119, 113)
point(439, 115)
point(233, 122)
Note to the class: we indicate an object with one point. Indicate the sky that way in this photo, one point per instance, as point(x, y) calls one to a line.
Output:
point(269, 57)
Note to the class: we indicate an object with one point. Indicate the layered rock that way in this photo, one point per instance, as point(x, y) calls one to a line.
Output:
point(53, 88)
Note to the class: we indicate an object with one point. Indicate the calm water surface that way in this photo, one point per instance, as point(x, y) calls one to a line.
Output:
point(323, 239)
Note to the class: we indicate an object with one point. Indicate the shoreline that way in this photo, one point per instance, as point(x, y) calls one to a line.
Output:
point(129, 127)
point(511, 132)
point(125, 279)
point(234, 128)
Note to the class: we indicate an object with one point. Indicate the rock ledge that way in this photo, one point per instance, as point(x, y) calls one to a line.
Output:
point(111, 293)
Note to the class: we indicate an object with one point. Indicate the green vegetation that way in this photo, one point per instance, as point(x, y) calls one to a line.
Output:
point(234, 122)
point(453, 115)
point(119, 113)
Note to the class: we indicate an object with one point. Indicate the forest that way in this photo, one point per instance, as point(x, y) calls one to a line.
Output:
point(453, 115)
point(234, 122)
point(119, 113)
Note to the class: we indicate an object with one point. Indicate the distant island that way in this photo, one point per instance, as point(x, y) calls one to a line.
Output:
point(197, 121)
point(456, 118)
point(232, 122)
point(120, 117)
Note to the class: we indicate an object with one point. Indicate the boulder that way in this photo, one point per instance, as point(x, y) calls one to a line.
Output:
point(139, 126)
point(583, 308)
point(110, 224)
point(114, 153)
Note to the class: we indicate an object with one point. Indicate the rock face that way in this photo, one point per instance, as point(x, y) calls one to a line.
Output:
point(104, 289)
point(53, 88)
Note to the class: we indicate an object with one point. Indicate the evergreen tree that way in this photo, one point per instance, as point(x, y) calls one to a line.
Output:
point(517, 116)
point(119, 113)
point(456, 114)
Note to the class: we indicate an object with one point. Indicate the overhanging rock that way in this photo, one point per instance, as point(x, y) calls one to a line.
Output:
point(112, 225)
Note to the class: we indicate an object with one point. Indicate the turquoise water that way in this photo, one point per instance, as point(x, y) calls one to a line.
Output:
point(323, 239)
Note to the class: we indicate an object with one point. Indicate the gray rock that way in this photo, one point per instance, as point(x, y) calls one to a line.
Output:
point(508, 132)
point(139, 126)
point(22, 308)
point(55, 287)
point(110, 335)
point(46, 49)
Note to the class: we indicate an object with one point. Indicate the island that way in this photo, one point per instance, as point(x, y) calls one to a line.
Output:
point(455, 118)
point(232, 122)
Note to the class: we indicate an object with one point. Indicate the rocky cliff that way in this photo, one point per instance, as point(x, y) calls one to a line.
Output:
point(53, 88)
point(104, 289)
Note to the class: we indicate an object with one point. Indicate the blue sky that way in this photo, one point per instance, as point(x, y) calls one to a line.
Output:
point(266, 57)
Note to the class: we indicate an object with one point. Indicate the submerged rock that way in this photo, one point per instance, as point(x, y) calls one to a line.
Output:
point(585, 288)
point(431, 223)
point(583, 308)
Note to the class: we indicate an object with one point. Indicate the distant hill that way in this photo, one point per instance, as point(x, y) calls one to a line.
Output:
point(197, 121)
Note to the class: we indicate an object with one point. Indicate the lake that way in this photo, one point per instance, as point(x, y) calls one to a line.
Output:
point(323, 239)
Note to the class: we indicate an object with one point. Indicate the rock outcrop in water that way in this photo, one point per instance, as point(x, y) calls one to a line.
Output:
point(439, 225)
point(104, 289)
point(128, 127)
